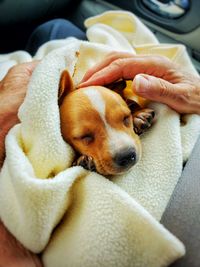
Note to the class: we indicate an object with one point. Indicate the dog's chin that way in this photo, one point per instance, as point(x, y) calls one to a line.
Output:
point(113, 171)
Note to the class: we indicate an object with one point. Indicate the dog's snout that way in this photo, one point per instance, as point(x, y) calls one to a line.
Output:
point(126, 158)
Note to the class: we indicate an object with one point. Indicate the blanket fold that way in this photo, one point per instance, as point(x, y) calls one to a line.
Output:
point(74, 217)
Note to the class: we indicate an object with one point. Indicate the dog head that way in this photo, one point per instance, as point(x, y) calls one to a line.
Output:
point(98, 123)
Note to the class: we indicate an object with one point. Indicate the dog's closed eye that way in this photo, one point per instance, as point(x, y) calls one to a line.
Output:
point(88, 138)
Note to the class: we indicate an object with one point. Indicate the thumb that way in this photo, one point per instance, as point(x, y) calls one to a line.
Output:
point(156, 89)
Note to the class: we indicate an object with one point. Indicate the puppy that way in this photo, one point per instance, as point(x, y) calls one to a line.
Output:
point(101, 126)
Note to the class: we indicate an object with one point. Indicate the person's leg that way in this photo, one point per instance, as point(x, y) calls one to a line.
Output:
point(52, 30)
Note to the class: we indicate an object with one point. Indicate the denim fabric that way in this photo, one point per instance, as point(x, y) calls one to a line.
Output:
point(52, 30)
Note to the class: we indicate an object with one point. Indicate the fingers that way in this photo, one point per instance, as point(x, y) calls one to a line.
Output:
point(12, 92)
point(108, 74)
point(30, 66)
point(177, 96)
point(125, 66)
point(107, 61)
point(17, 78)
point(14, 87)
point(27, 66)
point(25, 69)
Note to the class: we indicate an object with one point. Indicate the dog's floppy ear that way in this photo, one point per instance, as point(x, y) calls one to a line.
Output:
point(117, 86)
point(65, 86)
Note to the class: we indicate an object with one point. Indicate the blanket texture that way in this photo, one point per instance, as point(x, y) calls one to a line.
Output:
point(78, 218)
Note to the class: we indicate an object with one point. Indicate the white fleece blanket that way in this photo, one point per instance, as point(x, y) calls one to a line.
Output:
point(78, 218)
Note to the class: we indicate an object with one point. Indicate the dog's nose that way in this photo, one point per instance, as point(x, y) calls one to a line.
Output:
point(126, 158)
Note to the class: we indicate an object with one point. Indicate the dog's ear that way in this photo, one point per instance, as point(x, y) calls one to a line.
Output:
point(117, 86)
point(65, 86)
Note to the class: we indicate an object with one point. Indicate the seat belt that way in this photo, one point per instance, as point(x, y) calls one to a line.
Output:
point(182, 215)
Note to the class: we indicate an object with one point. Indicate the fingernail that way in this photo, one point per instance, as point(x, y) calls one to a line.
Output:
point(141, 84)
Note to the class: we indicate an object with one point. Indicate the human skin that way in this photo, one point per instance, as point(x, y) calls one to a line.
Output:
point(154, 77)
point(13, 254)
point(12, 92)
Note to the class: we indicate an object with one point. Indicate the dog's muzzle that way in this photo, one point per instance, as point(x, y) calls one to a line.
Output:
point(126, 158)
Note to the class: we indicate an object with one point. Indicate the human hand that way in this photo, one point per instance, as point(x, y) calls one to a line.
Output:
point(155, 78)
point(13, 254)
point(12, 92)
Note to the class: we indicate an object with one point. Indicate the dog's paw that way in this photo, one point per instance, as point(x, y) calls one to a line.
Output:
point(86, 162)
point(142, 120)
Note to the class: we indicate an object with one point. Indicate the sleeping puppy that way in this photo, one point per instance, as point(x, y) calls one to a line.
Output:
point(101, 126)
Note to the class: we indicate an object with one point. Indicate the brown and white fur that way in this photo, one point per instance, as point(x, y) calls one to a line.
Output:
point(99, 125)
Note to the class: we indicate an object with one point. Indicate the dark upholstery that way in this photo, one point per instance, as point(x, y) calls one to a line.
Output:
point(53, 30)
point(182, 216)
point(18, 18)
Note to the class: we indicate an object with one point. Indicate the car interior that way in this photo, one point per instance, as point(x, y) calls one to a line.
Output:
point(172, 21)
point(175, 21)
